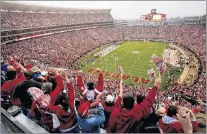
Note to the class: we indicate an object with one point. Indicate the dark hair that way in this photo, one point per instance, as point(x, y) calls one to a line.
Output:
point(109, 103)
point(63, 101)
point(140, 99)
point(90, 85)
point(77, 103)
point(11, 75)
point(53, 81)
point(172, 110)
point(128, 101)
point(28, 75)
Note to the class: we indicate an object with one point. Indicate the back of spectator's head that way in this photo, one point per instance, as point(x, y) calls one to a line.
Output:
point(53, 81)
point(172, 111)
point(63, 101)
point(90, 85)
point(161, 112)
point(11, 75)
point(77, 103)
point(28, 75)
point(51, 72)
point(128, 101)
point(140, 98)
point(47, 87)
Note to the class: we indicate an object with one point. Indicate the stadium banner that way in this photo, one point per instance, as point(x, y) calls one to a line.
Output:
point(116, 75)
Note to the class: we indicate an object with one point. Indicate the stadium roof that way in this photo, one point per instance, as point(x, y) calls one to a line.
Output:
point(14, 6)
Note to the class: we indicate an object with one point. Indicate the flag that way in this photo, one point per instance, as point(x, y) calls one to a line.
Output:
point(155, 59)
point(159, 62)
point(151, 73)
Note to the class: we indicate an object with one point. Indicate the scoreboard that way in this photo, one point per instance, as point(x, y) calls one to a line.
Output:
point(153, 17)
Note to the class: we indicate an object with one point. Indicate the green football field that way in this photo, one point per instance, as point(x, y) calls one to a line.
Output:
point(133, 56)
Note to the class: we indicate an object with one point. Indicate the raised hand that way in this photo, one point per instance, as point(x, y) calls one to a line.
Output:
point(184, 116)
point(157, 82)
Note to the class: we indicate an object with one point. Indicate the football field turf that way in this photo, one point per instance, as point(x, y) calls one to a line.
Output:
point(133, 56)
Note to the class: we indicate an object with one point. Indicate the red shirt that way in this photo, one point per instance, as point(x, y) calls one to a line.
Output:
point(109, 109)
point(67, 119)
point(8, 87)
point(196, 110)
point(125, 121)
point(46, 119)
point(57, 90)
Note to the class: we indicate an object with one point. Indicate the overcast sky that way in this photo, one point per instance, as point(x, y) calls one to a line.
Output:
point(134, 9)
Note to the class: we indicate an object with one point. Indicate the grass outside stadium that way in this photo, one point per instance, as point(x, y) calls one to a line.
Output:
point(135, 59)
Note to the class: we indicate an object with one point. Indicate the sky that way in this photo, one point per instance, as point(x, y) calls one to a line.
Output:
point(134, 9)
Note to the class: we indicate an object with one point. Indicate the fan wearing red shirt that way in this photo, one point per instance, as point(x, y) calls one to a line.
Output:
point(64, 108)
point(128, 118)
point(170, 123)
point(46, 119)
point(14, 76)
point(110, 103)
point(91, 90)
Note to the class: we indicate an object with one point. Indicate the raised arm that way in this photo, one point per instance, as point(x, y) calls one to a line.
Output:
point(100, 117)
point(80, 85)
point(121, 82)
point(19, 65)
point(58, 88)
point(121, 88)
point(71, 92)
point(146, 105)
point(60, 85)
point(99, 86)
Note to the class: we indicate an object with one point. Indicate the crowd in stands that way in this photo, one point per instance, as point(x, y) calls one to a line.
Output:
point(48, 97)
point(17, 20)
point(74, 99)
point(61, 50)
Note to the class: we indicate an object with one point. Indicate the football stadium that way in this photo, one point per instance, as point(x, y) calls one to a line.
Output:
point(83, 70)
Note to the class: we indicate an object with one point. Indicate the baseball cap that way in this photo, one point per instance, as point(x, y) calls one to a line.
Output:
point(109, 98)
point(83, 109)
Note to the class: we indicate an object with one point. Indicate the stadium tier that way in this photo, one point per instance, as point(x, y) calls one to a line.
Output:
point(40, 16)
point(57, 78)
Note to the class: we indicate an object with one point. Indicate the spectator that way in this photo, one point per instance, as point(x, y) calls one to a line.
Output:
point(20, 92)
point(127, 119)
point(91, 91)
point(64, 108)
point(170, 123)
point(90, 123)
point(111, 104)
point(12, 80)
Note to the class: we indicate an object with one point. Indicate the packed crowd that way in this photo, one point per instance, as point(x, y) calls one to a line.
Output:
point(17, 20)
point(61, 50)
point(72, 102)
